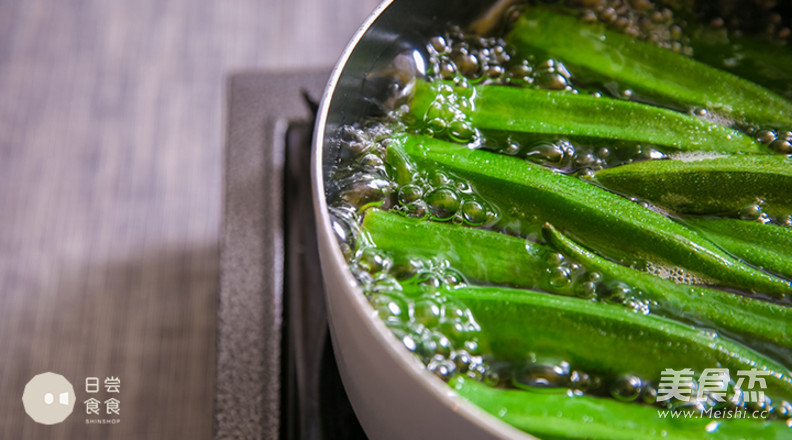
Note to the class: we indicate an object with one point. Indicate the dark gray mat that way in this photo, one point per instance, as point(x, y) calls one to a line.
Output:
point(248, 398)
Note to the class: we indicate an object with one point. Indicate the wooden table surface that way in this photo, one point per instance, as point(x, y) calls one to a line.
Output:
point(111, 135)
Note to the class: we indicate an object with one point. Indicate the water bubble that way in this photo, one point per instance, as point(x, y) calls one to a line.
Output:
point(390, 307)
point(766, 136)
point(649, 395)
point(436, 110)
point(409, 342)
point(511, 147)
point(626, 388)
point(751, 212)
point(447, 69)
point(579, 380)
point(555, 258)
point(462, 359)
point(442, 203)
point(427, 345)
point(430, 279)
point(461, 130)
point(473, 213)
point(492, 378)
point(444, 91)
point(371, 160)
point(495, 71)
point(468, 64)
point(386, 283)
point(341, 222)
point(559, 277)
point(453, 309)
point(462, 82)
point(521, 70)
point(585, 160)
point(427, 311)
point(436, 125)
point(409, 194)
point(542, 376)
point(617, 292)
point(608, 15)
point(416, 209)
point(373, 260)
point(588, 289)
point(441, 367)
point(784, 409)
point(438, 43)
point(551, 81)
point(586, 173)
point(782, 146)
point(453, 329)
point(439, 179)
point(562, 70)
point(453, 278)
point(362, 190)
point(444, 345)
point(551, 153)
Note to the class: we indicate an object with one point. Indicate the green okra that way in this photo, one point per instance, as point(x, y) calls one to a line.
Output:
point(649, 71)
point(766, 245)
point(532, 111)
point(740, 316)
point(528, 194)
point(483, 256)
point(480, 255)
point(723, 185)
point(564, 416)
point(591, 336)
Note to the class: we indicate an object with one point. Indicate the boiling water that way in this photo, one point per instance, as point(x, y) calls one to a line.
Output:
point(438, 328)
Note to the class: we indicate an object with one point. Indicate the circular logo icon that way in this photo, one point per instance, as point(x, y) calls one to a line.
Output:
point(48, 398)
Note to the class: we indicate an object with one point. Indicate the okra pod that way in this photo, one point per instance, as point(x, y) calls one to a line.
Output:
point(528, 194)
point(532, 111)
point(733, 185)
point(766, 245)
point(649, 71)
point(738, 316)
point(605, 339)
point(564, 416)
point(483, 256)
point(480, 255)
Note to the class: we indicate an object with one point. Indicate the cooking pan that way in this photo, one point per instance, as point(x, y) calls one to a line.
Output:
point(392, 393)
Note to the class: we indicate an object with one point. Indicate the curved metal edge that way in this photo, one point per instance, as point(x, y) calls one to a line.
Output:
point(334, 261)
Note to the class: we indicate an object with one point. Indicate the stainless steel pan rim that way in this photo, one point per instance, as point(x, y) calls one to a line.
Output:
point(339, 280)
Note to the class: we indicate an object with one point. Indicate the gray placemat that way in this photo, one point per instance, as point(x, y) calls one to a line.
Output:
point(247, 401)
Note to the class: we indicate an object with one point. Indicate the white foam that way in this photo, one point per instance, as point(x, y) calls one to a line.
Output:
point(696, 156)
